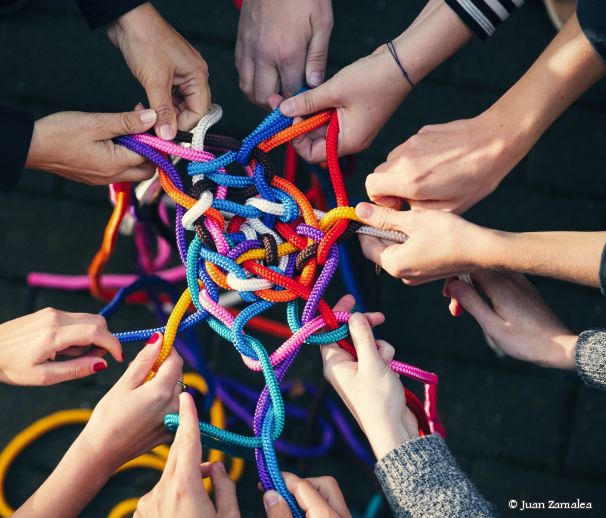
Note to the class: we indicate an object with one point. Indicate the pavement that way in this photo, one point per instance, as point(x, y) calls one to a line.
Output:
point(519, 431)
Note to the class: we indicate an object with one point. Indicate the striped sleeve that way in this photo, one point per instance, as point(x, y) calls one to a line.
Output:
point(483, 16)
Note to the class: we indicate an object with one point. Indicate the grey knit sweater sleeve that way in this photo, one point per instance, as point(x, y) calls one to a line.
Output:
point(591, 358)
point(420, 478)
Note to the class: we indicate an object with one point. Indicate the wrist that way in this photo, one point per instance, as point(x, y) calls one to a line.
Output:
point(489, 248)
point(96, 448)
point(35, 152)
point(136, 19)
point(385, 436)
point(562, 353)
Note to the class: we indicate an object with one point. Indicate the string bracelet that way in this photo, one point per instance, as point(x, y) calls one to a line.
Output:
point(393, 52)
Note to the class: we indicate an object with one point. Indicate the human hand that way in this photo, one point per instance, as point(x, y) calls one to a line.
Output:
point(449, 166)
point(368, 387)
point(172, 72)
point(516, 318)
point(317, 497)
point(129, 419)
point(365, 94)
point(439, 245)
point(52, 346)
point(279, 44)
point(79, 146)
point(180, 491)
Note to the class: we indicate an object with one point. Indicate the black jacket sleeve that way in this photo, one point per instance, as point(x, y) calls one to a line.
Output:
point(16, 129)
point(592, 19)
point(100, 12)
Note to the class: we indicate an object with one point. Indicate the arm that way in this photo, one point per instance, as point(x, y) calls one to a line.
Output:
point(418, 475)
point(17, 128)
point(453, 166)
point(367, 92)
point(441, 244)
point(127, 422)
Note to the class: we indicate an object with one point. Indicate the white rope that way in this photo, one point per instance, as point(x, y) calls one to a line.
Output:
point(269, 207)
point(199, 132)
point(198, 209)
point(235, 283)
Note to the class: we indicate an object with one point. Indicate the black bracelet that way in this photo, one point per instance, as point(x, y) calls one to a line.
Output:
point(392, 51)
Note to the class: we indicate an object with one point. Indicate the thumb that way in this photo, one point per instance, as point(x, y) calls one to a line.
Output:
point(56, 372)
point(308, 102)
point(383, 218)
point(126, 123)
point(471, 300)
point(144, 361)
point(161, 100)
point(317, 55)
point(275, 505)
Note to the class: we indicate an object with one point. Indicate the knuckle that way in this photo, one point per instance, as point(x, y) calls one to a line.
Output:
point(126, 123)
point(164, 111)
point(308, 103)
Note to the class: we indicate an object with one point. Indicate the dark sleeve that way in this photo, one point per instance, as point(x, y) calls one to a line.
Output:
point(483, 17)
point(16, 128)
point(603, 272)
point(100, 12)
point(592, 19)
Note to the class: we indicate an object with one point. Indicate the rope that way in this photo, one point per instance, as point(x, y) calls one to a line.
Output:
point(257, 234)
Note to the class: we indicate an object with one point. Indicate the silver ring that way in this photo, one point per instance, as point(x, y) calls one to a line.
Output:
point(183, 386)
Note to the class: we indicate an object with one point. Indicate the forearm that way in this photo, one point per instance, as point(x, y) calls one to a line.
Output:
point(71, 486)
point(433, 37)
point(566, 69)
point(568, 256)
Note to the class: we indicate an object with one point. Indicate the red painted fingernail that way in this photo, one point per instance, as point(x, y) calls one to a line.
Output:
point(99, 366)
point(153, 339)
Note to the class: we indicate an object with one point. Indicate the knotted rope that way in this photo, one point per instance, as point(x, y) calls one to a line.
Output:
point(256, 233)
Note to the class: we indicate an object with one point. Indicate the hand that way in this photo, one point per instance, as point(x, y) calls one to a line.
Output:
point(365, 94)
point(317, 497)
point(439, 244)
point(78, 146)
point(128, 421)
point(370, 389)
point(52, 346)
point(180, 491)
point(449, 166)
point(517, 319)
point(173, 73)
point(279, 44)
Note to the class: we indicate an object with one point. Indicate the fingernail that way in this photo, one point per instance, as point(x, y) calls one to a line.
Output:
point(316, 79)
point(153, 339)
point(220, 466)
point(147, 116)
point(99, 366)
point(356, 319)
point(271, 498)
point(166, 132)
point(288, 107)
point(364, 210)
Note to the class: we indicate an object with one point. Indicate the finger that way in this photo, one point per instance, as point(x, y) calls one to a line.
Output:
point(330, 490)
point(205, 469)
point(386, 350)
point(345, 303)
point(372, 248)
point(471, 300)
point(138, 173)
point(169, 372)
point(266, 83)
point(387, 184)
point(308, 102)
point(225, 491)
point(364, 341)
point(312, 150)
point(246, 69)
point(186, 452)
point(160, 99)
point(274, 100)
point(392, 202)
point(126, 123)
point(144, 361)
point(317, 55)
point(52, 372)
point(84, 335)
point(381, 217)
point(275, 505)
point(291, 76)
point(307, 496)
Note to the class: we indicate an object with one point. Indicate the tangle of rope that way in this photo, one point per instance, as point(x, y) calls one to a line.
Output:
point(274, 249)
